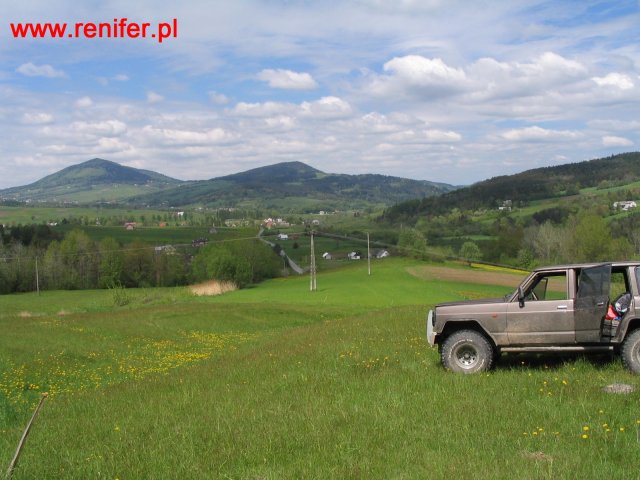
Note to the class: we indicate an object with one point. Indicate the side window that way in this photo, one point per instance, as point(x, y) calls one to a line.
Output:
point(619, 283)
point(548, 286)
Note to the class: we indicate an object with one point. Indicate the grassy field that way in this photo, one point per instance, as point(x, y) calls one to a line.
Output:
point(278, 382)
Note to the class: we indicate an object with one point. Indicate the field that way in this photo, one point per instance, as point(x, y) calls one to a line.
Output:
point(278, 382)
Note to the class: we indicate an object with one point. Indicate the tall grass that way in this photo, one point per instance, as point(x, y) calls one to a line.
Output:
point(337, 383)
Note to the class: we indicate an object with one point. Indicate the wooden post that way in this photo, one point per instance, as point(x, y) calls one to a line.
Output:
point(22, 441)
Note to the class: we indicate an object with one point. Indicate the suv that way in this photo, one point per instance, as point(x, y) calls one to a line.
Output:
point(566, 308)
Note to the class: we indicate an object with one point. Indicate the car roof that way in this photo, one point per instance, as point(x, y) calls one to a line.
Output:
point(628, 263)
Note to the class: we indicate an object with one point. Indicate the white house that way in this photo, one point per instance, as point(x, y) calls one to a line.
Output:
point(625, 205)
point(283, 236)
point(327, 256)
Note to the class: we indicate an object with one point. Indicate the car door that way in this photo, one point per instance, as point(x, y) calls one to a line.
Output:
point(591, 304)
point(546, 314)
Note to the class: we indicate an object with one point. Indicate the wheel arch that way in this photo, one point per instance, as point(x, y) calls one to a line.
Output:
point(452, 327)
point(631, 325)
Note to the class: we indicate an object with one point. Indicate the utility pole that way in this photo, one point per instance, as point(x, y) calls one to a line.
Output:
point(368, 254)
point(37, 278)
point(312, 270)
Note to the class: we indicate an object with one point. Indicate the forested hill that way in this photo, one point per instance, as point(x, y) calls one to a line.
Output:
point(539, 183)
point(94, 179)
point(296, 186)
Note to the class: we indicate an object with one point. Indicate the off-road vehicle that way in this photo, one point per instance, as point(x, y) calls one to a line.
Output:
point(565, 308)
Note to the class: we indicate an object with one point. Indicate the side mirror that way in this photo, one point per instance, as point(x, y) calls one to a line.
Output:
point(520, 297)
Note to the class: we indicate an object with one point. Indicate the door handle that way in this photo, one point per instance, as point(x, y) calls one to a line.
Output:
point(600, 304)
point(561, 307)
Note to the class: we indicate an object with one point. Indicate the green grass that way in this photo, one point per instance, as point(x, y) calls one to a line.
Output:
point(278, 382)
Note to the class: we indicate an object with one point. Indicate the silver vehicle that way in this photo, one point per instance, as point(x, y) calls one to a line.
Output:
point(565, 308)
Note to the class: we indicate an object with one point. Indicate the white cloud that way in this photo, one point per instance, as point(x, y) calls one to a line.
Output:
point(443, 136)
point(617, 80)
point(32, 70)
point(218, 98)
point(37, 118)
point(327, 107)
point(84, 102)
point(107, 128)
point(288, 80)
point(121, 77)
point(538, 134)
point(172, 136)
point(153, 97)
point(613, 141)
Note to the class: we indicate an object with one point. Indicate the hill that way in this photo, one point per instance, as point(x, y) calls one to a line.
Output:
point(290, 186)
point(90, 181)
point(295, 186)
point(528, 186)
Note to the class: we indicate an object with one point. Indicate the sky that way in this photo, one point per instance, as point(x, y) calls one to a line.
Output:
point(453, 91)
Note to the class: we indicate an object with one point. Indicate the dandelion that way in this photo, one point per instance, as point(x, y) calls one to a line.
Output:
point(585, 428)
point(585, 436)
point(622, 429)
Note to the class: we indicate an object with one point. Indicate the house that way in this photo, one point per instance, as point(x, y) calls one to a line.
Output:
point(199, 242)
point(327, 256)
point(353, 255)
point(130, 225)
point(625, 205)
point(283, 236)
point(168, 249)
point(382, 254)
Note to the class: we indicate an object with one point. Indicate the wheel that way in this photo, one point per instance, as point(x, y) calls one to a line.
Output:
point(467, 351)
point(630, 351)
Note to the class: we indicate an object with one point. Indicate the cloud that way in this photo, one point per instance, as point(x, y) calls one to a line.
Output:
point(538, 134)
point(37, 118)
point(172, 136)
point(287, 80)
point(326, 108)
point(415, 75)
point(153, 97)
point(617, 80)
point(218, 98)
point(107, 128)
point(32, 70)
point(84, 102)
point(613, 141)
point(121, 77)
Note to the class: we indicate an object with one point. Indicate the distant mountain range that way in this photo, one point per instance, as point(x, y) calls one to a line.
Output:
point(292, 186)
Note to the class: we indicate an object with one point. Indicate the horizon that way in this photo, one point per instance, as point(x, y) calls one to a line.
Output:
point(448, 92)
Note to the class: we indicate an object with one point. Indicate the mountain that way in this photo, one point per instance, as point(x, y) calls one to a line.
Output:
point(90, 181)
point(540, 183)
point(289, 186)
point(295, 186)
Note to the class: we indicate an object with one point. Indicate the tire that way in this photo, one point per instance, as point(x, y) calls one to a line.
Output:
point(467, 351)
point(630, 351)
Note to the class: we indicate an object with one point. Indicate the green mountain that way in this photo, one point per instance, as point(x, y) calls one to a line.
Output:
point(290, 186)
point(531, 185)
point(91, 181)
point(295, 186)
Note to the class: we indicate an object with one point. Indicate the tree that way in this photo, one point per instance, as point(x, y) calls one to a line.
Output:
point(412, 243)
point(111, 267)
point(470, 252)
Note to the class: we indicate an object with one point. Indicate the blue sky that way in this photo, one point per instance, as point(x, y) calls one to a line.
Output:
point(451, 91)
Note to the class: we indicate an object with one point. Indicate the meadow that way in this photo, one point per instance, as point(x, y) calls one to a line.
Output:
point(276, 382)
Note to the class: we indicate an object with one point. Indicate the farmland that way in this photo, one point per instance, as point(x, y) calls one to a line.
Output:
point(277, 382)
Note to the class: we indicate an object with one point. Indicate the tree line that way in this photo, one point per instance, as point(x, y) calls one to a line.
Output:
point(44, 260)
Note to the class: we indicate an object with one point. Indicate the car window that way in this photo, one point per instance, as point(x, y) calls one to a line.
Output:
point(548, 286)
point(619, 282)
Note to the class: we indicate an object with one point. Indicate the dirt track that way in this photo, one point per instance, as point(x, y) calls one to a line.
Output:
point(467, 275)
